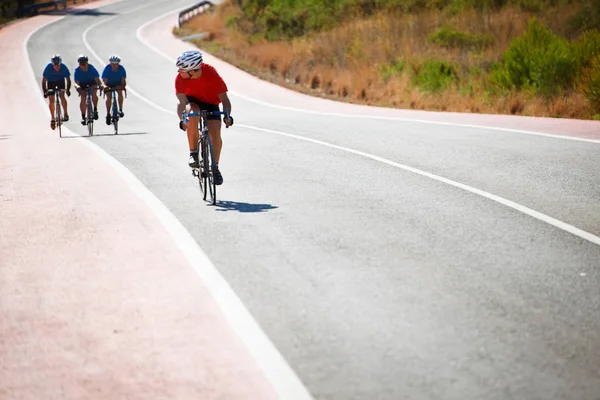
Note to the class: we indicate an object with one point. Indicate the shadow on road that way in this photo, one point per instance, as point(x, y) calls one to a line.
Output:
point(92, 13)
point(85, 136)
point(223, 205)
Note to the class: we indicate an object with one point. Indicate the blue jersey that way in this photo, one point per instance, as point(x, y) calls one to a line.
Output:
point(114, 77)
point(52, 75)
point(87, 77)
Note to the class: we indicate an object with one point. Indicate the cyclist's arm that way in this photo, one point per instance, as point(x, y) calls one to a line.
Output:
point(226, 104)
point(77, 85)
point(44, 81)
point(225, 100)
point(182, 101)
point(68, 84)
point(123, 82)
point(97, 80)
point(105, 80)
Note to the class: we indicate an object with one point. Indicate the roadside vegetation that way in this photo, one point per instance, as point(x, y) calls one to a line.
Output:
point(10, 9)
point(522, 57)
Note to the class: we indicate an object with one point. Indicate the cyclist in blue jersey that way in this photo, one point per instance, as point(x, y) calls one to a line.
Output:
point(86, 76)
point(53, 77)
point(114, 76)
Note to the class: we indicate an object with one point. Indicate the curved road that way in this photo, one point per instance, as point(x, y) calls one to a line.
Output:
point(386, 254)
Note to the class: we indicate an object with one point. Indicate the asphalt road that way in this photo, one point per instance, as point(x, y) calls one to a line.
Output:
point(374, 282)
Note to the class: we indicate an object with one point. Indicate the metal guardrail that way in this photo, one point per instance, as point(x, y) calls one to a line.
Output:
point(192, 11)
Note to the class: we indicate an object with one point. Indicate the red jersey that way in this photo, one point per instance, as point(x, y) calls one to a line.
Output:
point(206, 88)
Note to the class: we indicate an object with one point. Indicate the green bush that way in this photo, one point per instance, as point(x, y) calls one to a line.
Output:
point(588, 17)
point(586, 48)
point(434, 75)
point(538, 59)
point(8, 10)
point(589, 83)
point(285, 19)
point(449, 36)
point(533, 6)
point(387, 71)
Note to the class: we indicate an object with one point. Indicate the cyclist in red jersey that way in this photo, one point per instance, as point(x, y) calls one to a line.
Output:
point(199, 86)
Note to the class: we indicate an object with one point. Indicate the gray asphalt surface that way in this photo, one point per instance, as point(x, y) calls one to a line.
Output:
point(374, 282)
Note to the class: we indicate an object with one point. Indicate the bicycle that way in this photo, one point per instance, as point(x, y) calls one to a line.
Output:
point(114, 109)
point(90, 110)
point(205, 152)
point(57, 108)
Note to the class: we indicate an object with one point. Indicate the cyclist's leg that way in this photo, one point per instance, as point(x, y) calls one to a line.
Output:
point(120, 94)
point(82, 103)
point(192, 132)
point(51, 99)
point(214, 131)
point(95, 102)
point(51, 105)
point(108, 104)
point(192, 128)
point(63, 100)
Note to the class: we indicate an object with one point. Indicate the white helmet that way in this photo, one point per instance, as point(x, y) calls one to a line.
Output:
point(56, 59)
point(114, 59)
point(189, 60)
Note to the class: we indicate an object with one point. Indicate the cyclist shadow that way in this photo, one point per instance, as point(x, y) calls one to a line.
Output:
point(120, 134)
point(76, 12)
point(84, 136)
point(223, 205)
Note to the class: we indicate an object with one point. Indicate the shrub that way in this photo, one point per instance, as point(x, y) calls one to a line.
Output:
point(434, 75)
point(538, 59)
point(589, 83)
point(449, 36)
point(388, 70)
point(586, 48)
point(588, 17)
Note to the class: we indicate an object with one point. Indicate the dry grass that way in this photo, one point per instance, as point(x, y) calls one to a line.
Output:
point(346, 63)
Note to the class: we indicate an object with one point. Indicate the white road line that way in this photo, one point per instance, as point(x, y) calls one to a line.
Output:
point(505, 202)
point(400, 119)
point(277, 371)
point(508, 203)
point(93, 53)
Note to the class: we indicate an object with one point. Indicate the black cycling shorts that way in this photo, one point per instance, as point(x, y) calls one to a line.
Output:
point(56, 84)
point(87, 85)
point(205, 106)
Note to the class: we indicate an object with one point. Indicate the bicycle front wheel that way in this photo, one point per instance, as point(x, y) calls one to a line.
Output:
point(115, 115)
point(212, 187)
point(58, 117)
point(90, 118)
point(204, 165)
